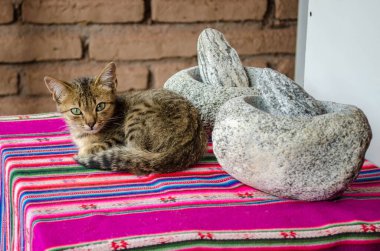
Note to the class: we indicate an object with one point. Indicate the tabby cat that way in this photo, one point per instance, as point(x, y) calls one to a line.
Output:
point(140, 131)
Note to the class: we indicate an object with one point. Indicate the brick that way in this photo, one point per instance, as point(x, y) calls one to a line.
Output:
point(163, 71)
point(167, 41)
point(285, 66)
point(248, 41)
point(6, 11)
point(132, 77)
point(18, 105)
point(129, 77)
point(29, 43)
point(286, 9)
point(74, 11)
point(8, 80)
point(143, 42)
point(207, 10)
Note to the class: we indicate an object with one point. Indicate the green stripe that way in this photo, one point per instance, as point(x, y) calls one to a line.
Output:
point(208, 159)
point(263, 243)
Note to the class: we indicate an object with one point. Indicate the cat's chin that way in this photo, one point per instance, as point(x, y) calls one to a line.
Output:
point(91, 131)
point(82, 130)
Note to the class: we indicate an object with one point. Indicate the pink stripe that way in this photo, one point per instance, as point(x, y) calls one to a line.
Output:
point(217, 218)
point(51, 137)
point(368, 165)
point(375, 183)
point(32, 126)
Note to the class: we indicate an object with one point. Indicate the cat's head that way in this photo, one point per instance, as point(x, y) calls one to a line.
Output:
point(86, 103)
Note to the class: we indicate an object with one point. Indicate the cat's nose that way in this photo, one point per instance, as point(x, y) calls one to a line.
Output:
point(91, 124)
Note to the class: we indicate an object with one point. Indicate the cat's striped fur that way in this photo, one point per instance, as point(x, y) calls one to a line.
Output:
point(139, 132)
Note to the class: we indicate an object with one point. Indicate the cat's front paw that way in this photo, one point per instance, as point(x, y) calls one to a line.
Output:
point(75, 157)
point(95, 148)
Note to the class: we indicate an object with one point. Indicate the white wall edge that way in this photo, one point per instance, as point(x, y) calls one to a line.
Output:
point(303, 6)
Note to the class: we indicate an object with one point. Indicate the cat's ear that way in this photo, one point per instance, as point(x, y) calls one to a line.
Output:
point(58, 88)
point(107, 78)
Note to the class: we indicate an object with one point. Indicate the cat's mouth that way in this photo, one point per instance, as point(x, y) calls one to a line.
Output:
point(93, 130)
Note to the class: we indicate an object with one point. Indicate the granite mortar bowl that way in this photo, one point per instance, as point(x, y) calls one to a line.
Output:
point(305, 158)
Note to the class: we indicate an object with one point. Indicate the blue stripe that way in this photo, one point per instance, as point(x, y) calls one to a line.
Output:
point(37, 148)
point(40, 147)
point(225, 184)
point(30, 151)
point(39, 154)
point(360, 180)
point(377, 170)
point(152, 183)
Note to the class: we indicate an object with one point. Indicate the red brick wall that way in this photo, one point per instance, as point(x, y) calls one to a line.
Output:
point(148, 39)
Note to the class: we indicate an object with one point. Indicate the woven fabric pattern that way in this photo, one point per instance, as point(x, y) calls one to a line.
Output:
point(48, 202)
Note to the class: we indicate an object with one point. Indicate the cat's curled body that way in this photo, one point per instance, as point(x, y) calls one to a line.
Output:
point(140, 132)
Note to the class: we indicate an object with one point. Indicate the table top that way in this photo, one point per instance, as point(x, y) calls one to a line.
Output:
point(49, 202)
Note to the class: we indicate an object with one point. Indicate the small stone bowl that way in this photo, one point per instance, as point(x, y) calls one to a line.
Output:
point(306, 158)
point(282, 95)
point(206, 98)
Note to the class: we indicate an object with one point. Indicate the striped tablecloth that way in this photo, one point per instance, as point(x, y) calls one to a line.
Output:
point(48, 202)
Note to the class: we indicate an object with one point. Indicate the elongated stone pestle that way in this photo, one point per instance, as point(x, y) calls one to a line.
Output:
point(219, 63)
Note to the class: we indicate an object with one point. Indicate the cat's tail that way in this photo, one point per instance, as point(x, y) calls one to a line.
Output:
point(139, 161)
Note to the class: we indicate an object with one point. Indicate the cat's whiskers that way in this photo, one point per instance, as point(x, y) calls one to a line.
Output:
point(64, 128)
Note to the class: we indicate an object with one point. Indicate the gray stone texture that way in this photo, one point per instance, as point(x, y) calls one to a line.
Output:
point(219, 63)
point(281, 95)
point(299, 157)
point(206, 98)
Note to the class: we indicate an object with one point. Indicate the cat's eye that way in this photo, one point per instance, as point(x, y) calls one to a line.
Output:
point(100, 106)
point(75, 111)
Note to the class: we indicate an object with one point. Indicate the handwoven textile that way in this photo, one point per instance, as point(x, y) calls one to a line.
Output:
point(49, 202)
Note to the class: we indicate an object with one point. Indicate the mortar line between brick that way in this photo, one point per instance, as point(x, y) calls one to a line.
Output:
point(149, 80)
point(269, 14)
point(147, 19)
